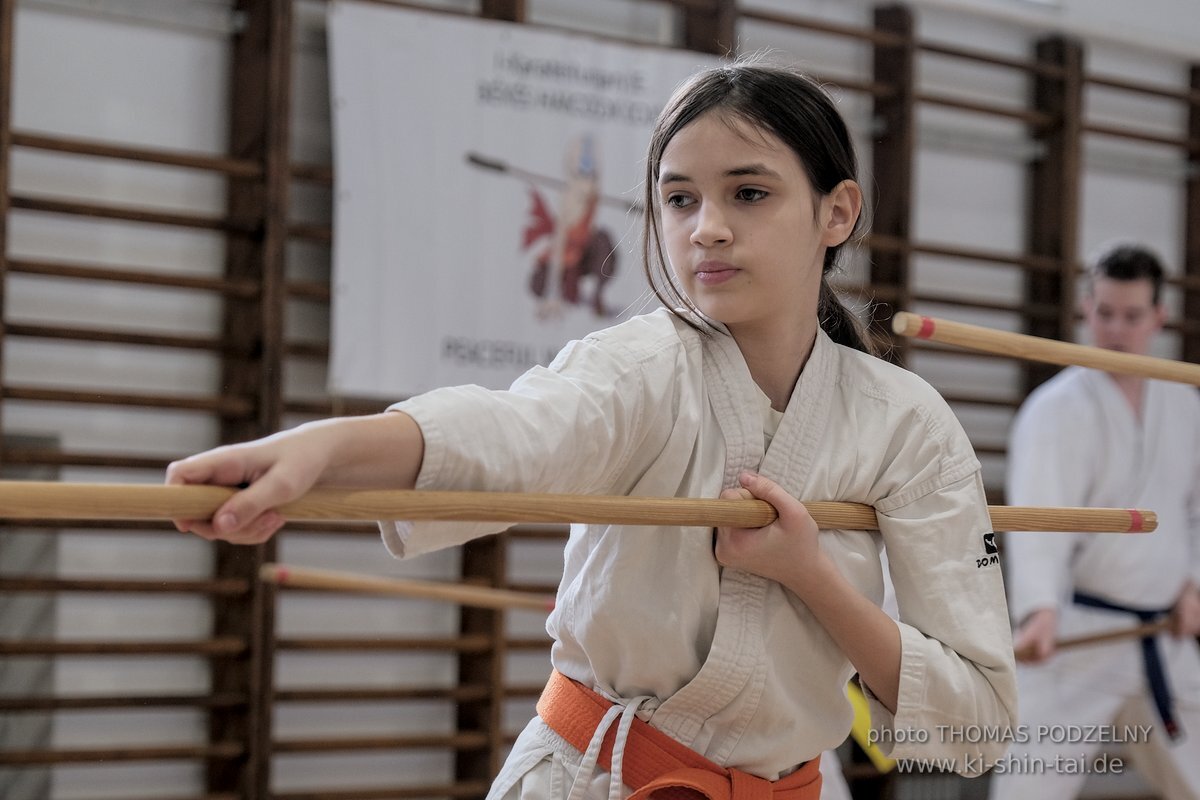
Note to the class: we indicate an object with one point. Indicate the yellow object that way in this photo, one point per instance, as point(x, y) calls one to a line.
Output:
point(860, 730)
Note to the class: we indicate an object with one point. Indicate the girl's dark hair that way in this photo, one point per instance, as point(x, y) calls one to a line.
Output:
point(797, 111)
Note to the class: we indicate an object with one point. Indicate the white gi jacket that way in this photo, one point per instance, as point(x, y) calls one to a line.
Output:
point(1076, 442)
point(733, 665)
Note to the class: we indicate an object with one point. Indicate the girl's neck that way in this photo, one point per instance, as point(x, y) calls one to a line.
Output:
point(776, 357)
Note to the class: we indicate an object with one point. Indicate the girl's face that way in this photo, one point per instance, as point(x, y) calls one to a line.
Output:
point(744, 231)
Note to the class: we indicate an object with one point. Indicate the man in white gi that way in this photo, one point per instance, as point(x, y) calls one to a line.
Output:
point(1089, 438)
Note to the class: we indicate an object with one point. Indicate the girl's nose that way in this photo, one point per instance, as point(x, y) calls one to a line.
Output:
point(711, 227)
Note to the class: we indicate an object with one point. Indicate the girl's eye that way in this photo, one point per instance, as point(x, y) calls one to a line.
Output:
point(678, 201)
point(750, 195)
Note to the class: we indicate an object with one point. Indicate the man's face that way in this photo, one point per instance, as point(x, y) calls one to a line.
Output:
point(1122, 316)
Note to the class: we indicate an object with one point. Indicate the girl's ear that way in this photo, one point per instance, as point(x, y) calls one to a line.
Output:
point(840, 209)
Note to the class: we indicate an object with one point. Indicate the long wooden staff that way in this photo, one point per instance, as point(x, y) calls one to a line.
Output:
point(1034, 348)
point(506, 599)
point(462, 594)
point(487, 597)
point(1147, 629)
point(50, 500)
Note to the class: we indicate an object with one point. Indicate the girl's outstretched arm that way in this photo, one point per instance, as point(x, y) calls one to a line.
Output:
point(787, 551)
point(383, 450)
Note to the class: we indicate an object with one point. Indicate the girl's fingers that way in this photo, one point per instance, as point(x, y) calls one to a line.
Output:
point(766, 489)
point(251, 510)
point(257, 531)
point(204, 468)
point(222, 467)
point(198, 527)
point(262, 528)
point(182, 473)
point(272, 521)
point(248, 516)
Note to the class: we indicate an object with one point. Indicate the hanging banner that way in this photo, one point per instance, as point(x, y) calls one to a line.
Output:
point(488, 193)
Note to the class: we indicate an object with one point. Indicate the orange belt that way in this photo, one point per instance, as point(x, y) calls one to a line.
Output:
point(655, 765)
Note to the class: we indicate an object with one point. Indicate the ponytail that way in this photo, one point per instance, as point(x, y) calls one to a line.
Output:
point(839, 324)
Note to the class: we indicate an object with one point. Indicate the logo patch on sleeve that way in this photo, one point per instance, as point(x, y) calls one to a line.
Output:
point(991, 554)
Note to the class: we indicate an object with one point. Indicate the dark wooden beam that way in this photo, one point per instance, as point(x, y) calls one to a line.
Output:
point(712, 28)
point(260, 109)
point(893, 149)
point(506, 10)
point(260, 105)
point(1191, 225)
point(1054, 190)
point(7, 9)
point(483, 561)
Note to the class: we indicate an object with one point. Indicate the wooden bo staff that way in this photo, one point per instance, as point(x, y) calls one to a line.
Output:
point(460, 593)
point(1035, 348)
point(488, 597)
point(51, 500)
point(1146, 629)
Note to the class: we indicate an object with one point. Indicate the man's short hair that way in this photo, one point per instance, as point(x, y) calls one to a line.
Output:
point(1129, 262)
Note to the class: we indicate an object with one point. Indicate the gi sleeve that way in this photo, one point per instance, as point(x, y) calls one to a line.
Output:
point(572, 427)
point(956, 664)
point(1049, 462)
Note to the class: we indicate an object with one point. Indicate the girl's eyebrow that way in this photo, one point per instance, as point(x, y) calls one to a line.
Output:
point(734, 172)
point(754, 169)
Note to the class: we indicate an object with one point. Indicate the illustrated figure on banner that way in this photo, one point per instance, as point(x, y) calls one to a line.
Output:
point(571, 252)
point(573, 247)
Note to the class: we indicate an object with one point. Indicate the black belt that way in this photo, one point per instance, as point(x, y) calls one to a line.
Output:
point(1156, 675)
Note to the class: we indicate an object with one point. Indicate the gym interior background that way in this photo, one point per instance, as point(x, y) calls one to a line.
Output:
point(165, 234)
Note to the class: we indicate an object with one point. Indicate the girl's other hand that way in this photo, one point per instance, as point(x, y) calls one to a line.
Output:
point(786, 550)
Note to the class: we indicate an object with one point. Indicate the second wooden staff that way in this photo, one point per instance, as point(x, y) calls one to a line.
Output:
point(1148, 629)
point(49, 500)
point(460, 593)
point(1051, 351)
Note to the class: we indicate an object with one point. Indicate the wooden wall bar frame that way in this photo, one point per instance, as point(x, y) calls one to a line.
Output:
point(260, 114)
point(711, 29)
point(485, 561)
point(1053, 206)
point(892, 155)
point(1191, 223)
point(7, 15)
point(506, 10)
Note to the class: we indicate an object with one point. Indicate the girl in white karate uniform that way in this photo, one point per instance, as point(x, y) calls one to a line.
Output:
point(683, 658)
